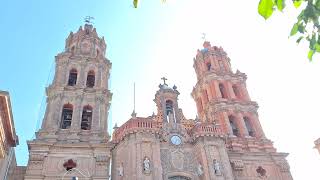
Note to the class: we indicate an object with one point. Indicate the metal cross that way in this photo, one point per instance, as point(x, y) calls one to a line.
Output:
point(164, 80)
point(204, 36)
point(88, 19)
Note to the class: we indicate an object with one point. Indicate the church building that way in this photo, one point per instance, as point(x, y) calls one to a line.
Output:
point(225, 141)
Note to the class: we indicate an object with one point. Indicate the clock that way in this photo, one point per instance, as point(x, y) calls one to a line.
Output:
point(176, 140)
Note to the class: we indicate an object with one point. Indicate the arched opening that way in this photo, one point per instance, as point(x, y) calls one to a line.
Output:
point(247, 122)
point(236, 91)
point(66, 116)
point(86, 118)
point(233, 125)
point(222, 90)
point(169, 107)
point(72, 50)
point(90, 79)
point(208, 66)
point(72, 77)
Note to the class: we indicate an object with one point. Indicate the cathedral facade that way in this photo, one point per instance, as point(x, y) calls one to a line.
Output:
point(225, 141)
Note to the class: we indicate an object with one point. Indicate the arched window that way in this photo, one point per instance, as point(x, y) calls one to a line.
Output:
point(66, 116)
point(169, 107)
point(72, 77)
point(221, 88)
point(248, 126)
point(208, 66)
point(90, 79)
point(86, 118)
point(236, 91)
point(233, 125)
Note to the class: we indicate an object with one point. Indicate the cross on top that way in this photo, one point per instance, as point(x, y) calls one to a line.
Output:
point(88, 19)
point(164, 80)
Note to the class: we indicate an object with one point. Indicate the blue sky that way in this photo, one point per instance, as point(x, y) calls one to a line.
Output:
point(158, 40)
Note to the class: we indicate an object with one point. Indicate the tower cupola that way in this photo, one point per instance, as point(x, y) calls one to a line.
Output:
point(85, 42)
point(166, 99)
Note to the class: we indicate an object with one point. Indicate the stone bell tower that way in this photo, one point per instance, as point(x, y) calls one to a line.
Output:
point(222, 98)
point(73, 139)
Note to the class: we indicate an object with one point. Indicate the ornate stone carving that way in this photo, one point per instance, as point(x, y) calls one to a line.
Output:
point(199, 170)
point(146, 165)
point(237, 165)
point(36, 157)
point(284, 166)
point(120, 170)
point(217, 168)
point(177, 159)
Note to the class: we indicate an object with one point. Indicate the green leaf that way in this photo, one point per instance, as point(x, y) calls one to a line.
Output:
point(294, 29)
point(310, 54)
point(297, 3)
point(135, 3)
point(299, 39)
point(280, 4)
point(265, 8)
point(301, 28)
point(317, 47)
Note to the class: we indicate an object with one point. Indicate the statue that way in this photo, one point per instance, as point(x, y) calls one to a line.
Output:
point(199, 170)
point(120, 170)
point(146, 165)
point(217, 167)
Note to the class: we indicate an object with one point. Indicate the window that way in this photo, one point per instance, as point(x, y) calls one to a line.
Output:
point(236, 91)
point(86, 118)
point(221, 88)
point(66, 116)
point(233, 125)
point(90, 79)
point(169, 107)
point(72, 77)
point(208, 66)
point(248, 126)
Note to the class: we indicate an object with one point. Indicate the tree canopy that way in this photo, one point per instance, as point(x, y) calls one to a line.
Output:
point(307, 26)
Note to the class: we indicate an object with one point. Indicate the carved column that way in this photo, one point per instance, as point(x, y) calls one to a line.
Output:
point(99, 77)
point(241, 125)
point(230, 90)
point(216, 86)
point(77, 112)
point(257, 125)
point(227, 122)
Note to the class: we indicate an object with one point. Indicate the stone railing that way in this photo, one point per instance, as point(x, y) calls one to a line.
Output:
point(133, 126)
point(205, 130)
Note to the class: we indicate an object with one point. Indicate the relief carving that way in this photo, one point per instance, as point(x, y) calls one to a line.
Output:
point(237, 165)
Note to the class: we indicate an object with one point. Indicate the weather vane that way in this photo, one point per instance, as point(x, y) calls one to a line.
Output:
point(88, 19)
point(204, 36)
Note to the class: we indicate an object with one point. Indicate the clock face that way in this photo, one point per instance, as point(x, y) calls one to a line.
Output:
point(176, 140)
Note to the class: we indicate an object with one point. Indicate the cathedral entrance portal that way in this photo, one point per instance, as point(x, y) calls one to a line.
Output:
point(179, 178)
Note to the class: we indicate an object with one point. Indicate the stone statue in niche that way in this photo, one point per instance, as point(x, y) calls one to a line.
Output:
point(120, 170)
point(217, 168)
point(199, 170)
point(146, 165)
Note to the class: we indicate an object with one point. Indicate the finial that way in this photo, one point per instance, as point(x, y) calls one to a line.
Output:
point(88, 19)
point(133, 114)
point(115, 126)
point(204, 36)
point(164, 80)
point(174, 87)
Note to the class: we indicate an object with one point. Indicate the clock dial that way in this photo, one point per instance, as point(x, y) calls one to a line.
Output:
point(176, 140)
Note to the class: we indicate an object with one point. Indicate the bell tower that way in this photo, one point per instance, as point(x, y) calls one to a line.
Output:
point(73, 139)
point(166, 99)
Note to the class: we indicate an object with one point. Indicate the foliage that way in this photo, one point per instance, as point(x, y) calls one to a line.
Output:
point(307, 25)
